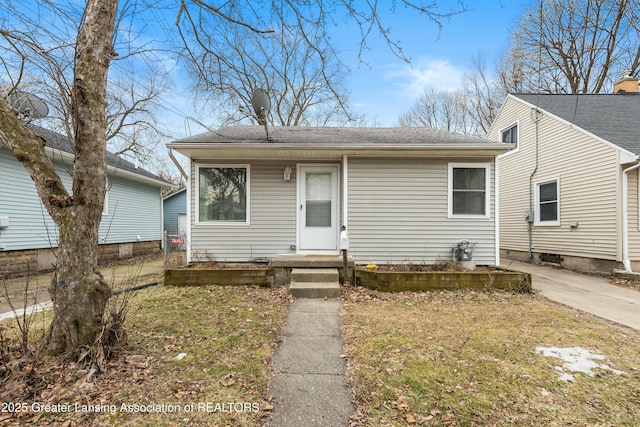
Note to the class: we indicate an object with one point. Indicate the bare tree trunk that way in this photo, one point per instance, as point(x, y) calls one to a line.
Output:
point(78, 290)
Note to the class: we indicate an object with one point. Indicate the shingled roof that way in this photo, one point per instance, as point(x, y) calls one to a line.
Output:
point(333, 135)
point(65, 144)
point(612, 117)
point(332, 143)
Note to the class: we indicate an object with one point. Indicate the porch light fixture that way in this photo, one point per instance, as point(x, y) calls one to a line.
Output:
point(287, 173)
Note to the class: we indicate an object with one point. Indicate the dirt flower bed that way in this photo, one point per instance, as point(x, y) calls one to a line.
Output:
point(440, 265)
point(224, 265)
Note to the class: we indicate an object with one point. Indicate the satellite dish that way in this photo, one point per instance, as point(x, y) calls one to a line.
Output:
point(27, 105)
point(261, 105)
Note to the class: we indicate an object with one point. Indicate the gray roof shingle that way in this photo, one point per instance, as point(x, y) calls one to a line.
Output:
point(612, 117)
point(62, 143)
point(333, 135)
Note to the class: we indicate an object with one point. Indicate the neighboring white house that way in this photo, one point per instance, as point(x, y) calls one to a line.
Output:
point(131, 222)
point(404, 194)
point(569, 189)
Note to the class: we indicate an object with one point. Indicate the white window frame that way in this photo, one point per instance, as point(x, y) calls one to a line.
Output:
point(247, 220)
point(487, 187)
point(515, 124)
point(537, 220)
point(105, 206)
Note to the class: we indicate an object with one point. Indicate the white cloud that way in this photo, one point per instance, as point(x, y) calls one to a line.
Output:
point(410, 80)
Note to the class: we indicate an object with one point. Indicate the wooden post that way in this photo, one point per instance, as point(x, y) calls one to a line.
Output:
point(345, 268)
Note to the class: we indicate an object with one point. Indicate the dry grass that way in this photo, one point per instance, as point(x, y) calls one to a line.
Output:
point(468, 359)
point(435, 358)
point(228, 335)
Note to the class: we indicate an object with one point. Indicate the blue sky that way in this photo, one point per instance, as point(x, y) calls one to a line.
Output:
point(383, 86)
point(389, 87)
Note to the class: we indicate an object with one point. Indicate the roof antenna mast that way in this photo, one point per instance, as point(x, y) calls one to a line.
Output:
point(261, 105)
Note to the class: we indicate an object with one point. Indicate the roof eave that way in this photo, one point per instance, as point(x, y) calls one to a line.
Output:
point(308, 150)
point(55, 153)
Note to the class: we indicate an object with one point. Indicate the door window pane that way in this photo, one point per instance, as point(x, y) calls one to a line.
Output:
point(318, 213)
point(318, 199)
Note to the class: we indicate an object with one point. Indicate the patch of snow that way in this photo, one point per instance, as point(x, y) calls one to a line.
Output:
point(577, 359)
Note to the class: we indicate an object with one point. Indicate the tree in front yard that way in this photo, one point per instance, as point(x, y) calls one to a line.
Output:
point(78, 290)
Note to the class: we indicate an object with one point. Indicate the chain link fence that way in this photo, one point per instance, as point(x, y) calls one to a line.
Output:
point(175, 251)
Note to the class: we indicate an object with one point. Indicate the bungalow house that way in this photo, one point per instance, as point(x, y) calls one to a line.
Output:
point(403, 194)
point(569, 189)
point(131, 222)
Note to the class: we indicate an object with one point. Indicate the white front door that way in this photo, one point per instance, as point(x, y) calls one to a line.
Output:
point(318, 208)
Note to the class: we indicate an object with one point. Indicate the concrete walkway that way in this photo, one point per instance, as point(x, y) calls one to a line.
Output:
point(591, 294)
point(119, 277)
point(310, 387)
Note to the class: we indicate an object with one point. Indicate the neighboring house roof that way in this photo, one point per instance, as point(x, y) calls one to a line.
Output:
point(174, 193)
point(62, 143)
point(612, 117)
point(331, 142)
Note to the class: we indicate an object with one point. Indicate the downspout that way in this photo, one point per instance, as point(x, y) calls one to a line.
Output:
point(530, 219)
point(496, 209)
point(345, 191)
point(625, 216)
point(175, 162)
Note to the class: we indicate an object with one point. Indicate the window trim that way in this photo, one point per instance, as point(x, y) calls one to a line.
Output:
point(487, 185)
point(105, 206)
point(515, 124)
point(537, 220)
point(247, 220)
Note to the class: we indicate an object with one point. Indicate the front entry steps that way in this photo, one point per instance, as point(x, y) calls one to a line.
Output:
point(314, 283)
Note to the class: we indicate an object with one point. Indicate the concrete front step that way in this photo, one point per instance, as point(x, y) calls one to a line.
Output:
point(314, 275)
point(314, 283)
point(315, 289)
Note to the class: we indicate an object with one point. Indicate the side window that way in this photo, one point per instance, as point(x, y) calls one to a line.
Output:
point(510, 135)
point(548, 202)
point(469, 190)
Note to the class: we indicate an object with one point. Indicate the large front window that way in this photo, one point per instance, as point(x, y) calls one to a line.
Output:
point(468, 190)
point(223, 194)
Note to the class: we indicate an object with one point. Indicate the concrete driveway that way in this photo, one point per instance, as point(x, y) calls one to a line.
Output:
point(591, 294)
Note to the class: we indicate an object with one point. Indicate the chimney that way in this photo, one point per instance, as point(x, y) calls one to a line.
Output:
point(626, 84)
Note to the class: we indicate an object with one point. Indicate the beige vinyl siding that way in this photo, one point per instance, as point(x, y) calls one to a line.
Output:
point(398, 213)
point(633, 209)
point(272, 218)
point(588, 174)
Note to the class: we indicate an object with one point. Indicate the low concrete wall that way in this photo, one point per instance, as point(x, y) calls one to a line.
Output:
point(399, 281)
point(34, 261)
point(575, 263)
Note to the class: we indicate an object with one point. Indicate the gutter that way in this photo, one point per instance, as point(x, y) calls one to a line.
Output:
point(625, 216)
point(290, 150)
